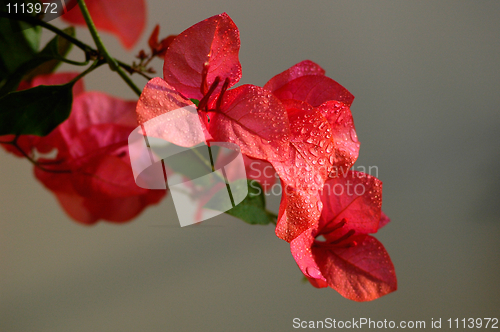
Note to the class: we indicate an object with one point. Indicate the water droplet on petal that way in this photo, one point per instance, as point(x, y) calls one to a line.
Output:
point(329, 148)
point(313, 272)
point(354, 136)
point(314, 151)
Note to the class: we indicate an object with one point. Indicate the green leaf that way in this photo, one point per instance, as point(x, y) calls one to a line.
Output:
point(56, 50)
point(19, 43)
point(45, 62)
point(13, 80)
point(35, 111)
point(195, 101)
point(31, 33)
point(251, 210)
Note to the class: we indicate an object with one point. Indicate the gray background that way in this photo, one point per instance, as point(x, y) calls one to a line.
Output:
point(426, 79)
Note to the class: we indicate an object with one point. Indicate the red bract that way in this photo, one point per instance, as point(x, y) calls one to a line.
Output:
point(323, 140)
point(306, 81)
point(91, 174)
point(338, 252)
point(303, 174)
point(202, 63)
point(299, 210)
point(252, 118)
point(159, 98)
point(344, 134)
point(25, 142)
point(125, 19)
point(200, 54)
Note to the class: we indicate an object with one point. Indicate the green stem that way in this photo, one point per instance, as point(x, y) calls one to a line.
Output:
point(94, 65)
point(202, 158)
point(95, 35)
point(113, 64)
point(129, 82)
point(74, 63)
point(131, 70)
point(209, 164)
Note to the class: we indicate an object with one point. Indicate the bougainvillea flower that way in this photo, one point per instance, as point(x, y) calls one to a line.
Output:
point(91, 174)
point(125, 19)
point(202, 63)
point(159, 98)
point(304, 172)
point(200, 54)
point(306, 81)
point(338, 252)
point(323, 140)
point(25, 142)
point(344, 135)
point(252, 118)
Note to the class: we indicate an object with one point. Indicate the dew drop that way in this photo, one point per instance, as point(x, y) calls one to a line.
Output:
point(354, 136)
point(313, 272)
point(314, 151)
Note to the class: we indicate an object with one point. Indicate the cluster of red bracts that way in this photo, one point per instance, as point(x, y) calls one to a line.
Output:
point(85, 161)
point(299, 123)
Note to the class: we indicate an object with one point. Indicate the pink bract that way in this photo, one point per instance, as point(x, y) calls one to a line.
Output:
point(323, 140)
point(202, 63)
point(254, 119)
point(91, 174)
point(338, 252)
point(304, 172)
point(125, 19)
point(214, 43)
point(306, 81)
